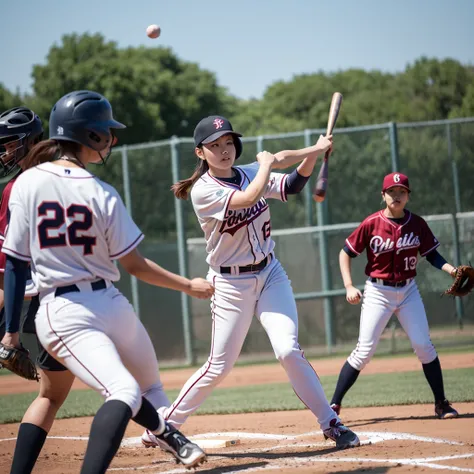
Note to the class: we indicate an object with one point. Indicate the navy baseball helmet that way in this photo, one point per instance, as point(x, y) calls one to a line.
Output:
point(212, 127)
point(84, 117)
point(20, 129)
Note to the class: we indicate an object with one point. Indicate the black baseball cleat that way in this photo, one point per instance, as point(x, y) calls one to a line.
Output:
point(174, 442)
point(444, 410)
point(336, 408)
point(341, 435)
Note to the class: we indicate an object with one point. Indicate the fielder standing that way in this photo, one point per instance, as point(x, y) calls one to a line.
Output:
point(393, 238)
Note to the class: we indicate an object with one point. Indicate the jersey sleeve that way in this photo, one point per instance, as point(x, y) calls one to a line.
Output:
point(122, 234)
point(357, 241)
point(211, 199)
point(17, 238)
point(428, 240)
point(276, 188)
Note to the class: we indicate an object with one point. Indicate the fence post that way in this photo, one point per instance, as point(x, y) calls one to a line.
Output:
point(182, 256)
point(394, 146)
point(326, 285)
point(307, 189)
point(259, 144)
point(454, 167)
point(128, 204)
point(457, 205)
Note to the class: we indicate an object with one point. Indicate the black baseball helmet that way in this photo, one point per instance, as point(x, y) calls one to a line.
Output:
point(84, 117)
point(20, 129)
point(215, 126)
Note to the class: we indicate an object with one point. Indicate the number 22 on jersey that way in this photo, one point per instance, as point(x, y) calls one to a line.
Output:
point(64, 227)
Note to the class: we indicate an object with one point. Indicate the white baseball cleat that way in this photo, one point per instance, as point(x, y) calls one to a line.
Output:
point(174, 442)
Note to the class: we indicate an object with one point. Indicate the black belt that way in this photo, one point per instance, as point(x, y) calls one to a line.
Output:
point(256, 267)
point(95, 285)
point(397, 284)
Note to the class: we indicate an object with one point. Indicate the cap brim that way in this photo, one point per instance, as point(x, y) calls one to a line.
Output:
point(219, 134)
point(115, 124)
point(108, 125)
point(395, 185)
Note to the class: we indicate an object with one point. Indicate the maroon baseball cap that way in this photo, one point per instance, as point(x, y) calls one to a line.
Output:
point(395, 179)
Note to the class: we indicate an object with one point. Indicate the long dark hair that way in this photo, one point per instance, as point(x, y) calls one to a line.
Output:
point(49, 150)
point(182, 188)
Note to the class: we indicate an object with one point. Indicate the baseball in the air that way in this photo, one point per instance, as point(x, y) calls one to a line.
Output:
point(153, 31)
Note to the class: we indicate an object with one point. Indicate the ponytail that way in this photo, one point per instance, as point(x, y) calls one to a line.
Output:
point(182, 188)
point(49, 150)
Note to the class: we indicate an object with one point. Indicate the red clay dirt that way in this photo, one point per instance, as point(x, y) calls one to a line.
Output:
point(395, 439)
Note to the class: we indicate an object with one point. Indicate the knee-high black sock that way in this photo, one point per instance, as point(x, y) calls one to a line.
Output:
point(29, 443)
point(107, 430)
point(346, 380)
point(148, 417)
point(435, 378)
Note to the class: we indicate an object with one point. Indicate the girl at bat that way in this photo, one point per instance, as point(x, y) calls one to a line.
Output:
point(231, 205)
point(393, 238)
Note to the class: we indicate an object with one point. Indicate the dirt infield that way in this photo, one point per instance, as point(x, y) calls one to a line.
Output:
point(264, 374)
point(394, 439)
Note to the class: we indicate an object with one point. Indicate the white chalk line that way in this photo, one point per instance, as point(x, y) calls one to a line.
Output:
point(372, 438)
point(298, 461)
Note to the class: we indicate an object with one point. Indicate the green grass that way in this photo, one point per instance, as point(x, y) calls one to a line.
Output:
point(370, 390)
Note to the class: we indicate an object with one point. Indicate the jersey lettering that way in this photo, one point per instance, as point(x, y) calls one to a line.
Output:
point(379, 245)
point(81, 221)
point(266, 230)
point(392, 248)
point(235, 219)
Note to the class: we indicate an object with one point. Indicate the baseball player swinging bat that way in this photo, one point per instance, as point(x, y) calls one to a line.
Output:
point(319, 191)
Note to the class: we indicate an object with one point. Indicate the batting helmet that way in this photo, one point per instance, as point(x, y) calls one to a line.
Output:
point(20, 129)
point(83, 117)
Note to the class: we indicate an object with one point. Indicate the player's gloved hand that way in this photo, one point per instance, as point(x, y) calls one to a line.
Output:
point(200, 288)
point(353, 295)
point(14, 357)
point(12, 339)
point(265, 158)
point(324, 143)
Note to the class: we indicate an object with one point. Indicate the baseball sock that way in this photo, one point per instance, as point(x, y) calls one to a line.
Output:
point(107, 430)
point(435, 378)
point(149, 418)
point(346, 380)
point(29, 443)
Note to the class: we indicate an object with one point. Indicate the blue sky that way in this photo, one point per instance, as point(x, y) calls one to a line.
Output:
point(248, 44)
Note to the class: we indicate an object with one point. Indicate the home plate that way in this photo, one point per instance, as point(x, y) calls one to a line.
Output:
point(215, 443)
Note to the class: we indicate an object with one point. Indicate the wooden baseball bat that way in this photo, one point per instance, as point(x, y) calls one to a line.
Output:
point(320, 188)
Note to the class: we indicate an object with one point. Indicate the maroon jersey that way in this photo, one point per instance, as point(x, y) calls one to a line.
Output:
point(4, 218)
point(392, 248)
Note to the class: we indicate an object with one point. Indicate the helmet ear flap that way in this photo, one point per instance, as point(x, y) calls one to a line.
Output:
point(238, 146)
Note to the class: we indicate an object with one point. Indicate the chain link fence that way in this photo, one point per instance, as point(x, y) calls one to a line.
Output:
point(437, 156)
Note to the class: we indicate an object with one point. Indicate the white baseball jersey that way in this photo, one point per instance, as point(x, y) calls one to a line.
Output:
point(235, 237)
point(70, 224)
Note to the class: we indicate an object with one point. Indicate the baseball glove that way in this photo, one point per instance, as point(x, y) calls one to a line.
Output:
point(18, 361)
point(463, 281)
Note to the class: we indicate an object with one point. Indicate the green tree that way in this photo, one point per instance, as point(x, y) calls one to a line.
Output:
point(155, 93)
point(7, 99)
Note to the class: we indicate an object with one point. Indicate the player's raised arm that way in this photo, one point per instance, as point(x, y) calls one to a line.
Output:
point(287, 158)
point(256, 189)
